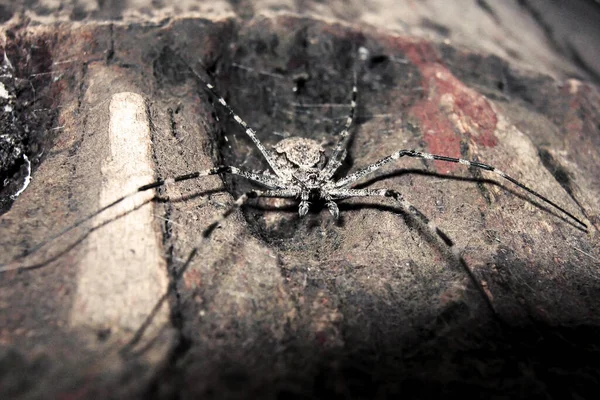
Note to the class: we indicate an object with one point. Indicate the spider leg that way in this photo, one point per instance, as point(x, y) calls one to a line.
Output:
point(424, 221)
point(304, 203)
point(249, 131)
point(240, 201)
point(339, 153)
point(270, 182)
point(418, 154)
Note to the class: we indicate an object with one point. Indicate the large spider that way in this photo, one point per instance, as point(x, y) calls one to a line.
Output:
point(301, 170)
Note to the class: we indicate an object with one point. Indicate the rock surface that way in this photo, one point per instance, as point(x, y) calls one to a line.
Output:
point(270, 304)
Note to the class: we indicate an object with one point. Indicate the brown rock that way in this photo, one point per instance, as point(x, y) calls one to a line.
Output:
point(273, 304)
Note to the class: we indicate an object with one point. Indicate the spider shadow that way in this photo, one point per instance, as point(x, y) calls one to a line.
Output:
point(85, 235)
point(128, 350)
point(318, 205)
point(440, 240)
point(479, 181)
point(177, 271)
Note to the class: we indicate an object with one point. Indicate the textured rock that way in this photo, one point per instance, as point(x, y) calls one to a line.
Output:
point(272, 304)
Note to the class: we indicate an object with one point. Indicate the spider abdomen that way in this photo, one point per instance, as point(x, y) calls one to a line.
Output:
point(301, 152)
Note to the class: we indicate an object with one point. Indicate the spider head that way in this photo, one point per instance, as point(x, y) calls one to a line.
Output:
point(301, 152)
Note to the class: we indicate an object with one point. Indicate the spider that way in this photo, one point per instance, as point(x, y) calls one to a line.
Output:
point(300, 169)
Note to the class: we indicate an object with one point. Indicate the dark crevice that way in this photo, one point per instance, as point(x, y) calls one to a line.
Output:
point(82, 86)
point(378, 59)
point(6, 13)
point(558, 172)
point(110, 52)
point(568, 52)
point(153, 131)
point(74, 150)
point(561, 175)
point(169, 376)
point(172, 123)
point(536, 15)
point(440, 29)
point(483, 4)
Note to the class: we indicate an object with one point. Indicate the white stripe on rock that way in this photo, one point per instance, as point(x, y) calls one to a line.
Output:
point(122, 274)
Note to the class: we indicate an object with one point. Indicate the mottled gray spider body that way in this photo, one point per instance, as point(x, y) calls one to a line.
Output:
point(300, 162)
point(301, 169)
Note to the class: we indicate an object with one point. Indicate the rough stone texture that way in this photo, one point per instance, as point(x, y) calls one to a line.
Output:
point(25, 118)
point(553, 37)
point(270, 305)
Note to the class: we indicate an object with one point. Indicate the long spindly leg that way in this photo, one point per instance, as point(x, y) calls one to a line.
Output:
point(348, 180)
point(249, 131)
point(339, 153)
point(267, 181)
point(425, 222)
point(240, 201)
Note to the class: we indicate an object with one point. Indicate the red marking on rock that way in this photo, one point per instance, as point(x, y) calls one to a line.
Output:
point(418, 52)
point(451, 112)
point(438, 132)
point(574, 120)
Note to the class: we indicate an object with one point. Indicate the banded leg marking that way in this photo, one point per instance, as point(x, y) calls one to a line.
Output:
point(350, 179)
point(268, 181)
point(249, 131)
point(433, 229)
point(339, 153)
